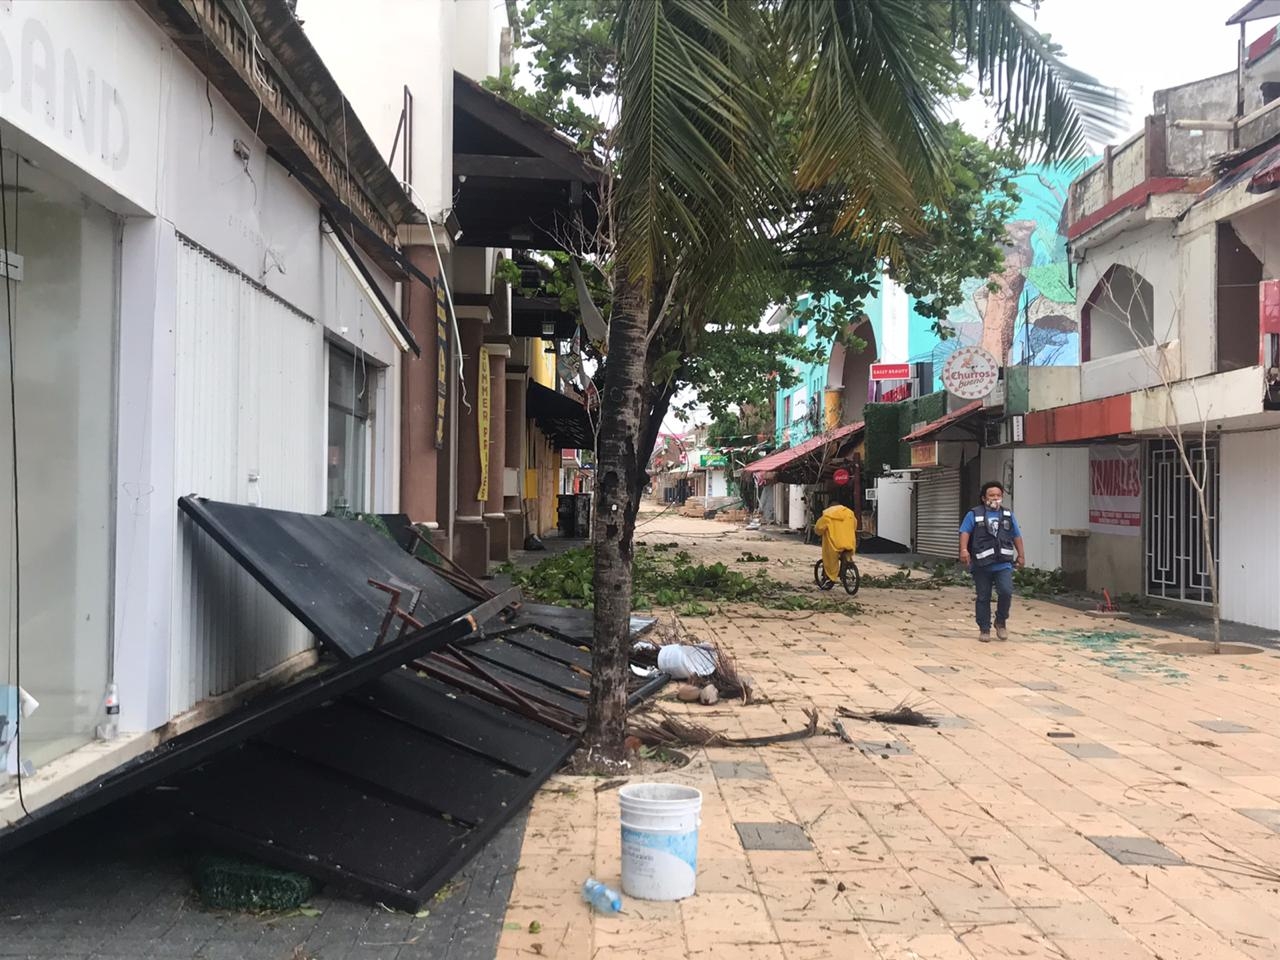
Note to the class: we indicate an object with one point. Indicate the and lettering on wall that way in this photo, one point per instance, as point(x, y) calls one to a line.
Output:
point(61, 73)
point(442, 366)
point(483, 400)
point(1115, 490)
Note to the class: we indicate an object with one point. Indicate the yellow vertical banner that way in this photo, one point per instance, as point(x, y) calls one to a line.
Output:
point(482, 422)
point(442, 366)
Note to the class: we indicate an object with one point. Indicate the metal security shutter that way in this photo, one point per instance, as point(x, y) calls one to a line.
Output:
point(938, 512)
point(249, 428)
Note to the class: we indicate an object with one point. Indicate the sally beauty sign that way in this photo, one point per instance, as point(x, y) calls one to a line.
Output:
point(82, 80)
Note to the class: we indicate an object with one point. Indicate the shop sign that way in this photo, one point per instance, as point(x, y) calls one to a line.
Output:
point(891, 371)
point(1115, 490)
point(83, 79)
point(970, 373)
point(924, 454)
point(841, 477)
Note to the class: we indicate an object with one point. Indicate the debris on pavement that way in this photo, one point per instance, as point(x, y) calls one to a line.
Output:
point(904, 714)
point(659, 728)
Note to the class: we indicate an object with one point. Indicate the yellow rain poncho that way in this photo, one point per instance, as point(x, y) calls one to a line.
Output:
point(838, 527)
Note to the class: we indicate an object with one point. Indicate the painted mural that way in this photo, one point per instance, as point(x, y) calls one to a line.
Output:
point(1031, 318)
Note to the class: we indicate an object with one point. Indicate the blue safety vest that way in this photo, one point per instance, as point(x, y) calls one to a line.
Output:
point(987, 548)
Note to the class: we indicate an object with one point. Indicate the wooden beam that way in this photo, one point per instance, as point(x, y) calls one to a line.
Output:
point(514, 124)
point(507, 168)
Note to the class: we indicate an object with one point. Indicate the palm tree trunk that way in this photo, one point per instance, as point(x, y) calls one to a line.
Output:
point(618, 463)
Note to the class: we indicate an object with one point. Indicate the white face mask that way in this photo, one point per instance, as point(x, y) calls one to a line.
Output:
point(994, 503)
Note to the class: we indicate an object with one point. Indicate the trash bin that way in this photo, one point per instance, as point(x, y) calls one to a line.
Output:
point(565, 515)
point(582, 516)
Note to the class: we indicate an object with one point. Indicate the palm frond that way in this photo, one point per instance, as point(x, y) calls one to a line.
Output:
point(878, 72)
point(695, 171)
point(1057, 108)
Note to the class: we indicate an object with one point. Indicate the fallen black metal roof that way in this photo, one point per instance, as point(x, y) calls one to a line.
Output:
point(320, 568)
point(201, 742)
point(389, 790)
point(389, 770)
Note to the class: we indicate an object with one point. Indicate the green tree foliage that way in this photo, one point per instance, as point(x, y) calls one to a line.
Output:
point(727, 360)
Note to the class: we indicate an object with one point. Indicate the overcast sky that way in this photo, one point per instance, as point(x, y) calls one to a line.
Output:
point(1139, 46)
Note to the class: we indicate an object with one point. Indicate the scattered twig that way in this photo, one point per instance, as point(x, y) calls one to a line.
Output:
point(844, 734)
point(904, 714)
point(661, 729)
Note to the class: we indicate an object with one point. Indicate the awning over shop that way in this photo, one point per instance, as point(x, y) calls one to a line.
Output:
point(1255, 10)
point(806, 462)
point(932, 430)
point(517, 182)
point(563, 420)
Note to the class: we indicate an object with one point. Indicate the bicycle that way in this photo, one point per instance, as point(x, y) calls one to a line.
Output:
point(850, 578)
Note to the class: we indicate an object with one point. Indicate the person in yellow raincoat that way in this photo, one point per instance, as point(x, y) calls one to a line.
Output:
point(838, 527)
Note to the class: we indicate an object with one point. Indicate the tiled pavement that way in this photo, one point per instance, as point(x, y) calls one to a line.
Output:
point(986, 837)
point(1086, 799)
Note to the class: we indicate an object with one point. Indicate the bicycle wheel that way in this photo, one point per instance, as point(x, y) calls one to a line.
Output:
point(820, 577)
point(850, 577)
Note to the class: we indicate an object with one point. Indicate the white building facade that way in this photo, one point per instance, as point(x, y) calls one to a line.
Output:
point(1175, 240)
point(181, 319)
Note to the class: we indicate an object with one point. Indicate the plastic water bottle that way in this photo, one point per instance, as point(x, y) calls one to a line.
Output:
point(110, 728)
point(601, 898)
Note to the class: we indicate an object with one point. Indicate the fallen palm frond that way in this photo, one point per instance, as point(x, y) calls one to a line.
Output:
point(728, 679)
point(657, 728)
point(904, 714)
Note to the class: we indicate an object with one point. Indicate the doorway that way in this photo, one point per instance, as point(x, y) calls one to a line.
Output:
point(1176, 559)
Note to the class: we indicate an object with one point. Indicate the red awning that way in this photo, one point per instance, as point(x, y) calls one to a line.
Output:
point(778, 462)
point(929, 429)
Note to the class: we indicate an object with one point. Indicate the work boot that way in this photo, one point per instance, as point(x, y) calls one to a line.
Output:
point(985, 636)
point(1001, 632)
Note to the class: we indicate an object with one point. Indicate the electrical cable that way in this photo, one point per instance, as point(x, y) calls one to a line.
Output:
point(13, 436)
point(448, 294)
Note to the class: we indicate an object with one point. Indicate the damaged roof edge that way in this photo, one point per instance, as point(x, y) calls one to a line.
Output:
point(293, 103)
point(283, 32)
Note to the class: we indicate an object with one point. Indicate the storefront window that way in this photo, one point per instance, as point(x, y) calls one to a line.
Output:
point(351, 388)
point(57, 336)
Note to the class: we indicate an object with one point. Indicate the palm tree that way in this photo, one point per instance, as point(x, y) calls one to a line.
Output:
point(704, 184)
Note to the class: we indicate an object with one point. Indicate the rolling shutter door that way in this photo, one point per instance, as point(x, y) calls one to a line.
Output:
point(938, 512)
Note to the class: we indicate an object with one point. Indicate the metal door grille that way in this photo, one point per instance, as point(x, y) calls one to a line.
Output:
point(1177, 567)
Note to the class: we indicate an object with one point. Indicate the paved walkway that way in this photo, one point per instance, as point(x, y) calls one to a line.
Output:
point(1086, 797)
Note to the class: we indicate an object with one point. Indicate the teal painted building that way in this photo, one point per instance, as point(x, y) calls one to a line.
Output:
point(1030, 319)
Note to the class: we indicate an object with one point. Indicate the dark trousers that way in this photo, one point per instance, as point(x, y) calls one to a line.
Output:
point(983, 580)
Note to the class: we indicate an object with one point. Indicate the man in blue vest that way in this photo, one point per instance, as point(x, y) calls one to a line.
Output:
point(990, 545)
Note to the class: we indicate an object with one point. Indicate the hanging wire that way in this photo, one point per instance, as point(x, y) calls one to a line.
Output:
point(13, 437)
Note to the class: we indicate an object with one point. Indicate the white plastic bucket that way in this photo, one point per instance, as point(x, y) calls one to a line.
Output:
point(659, 840)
